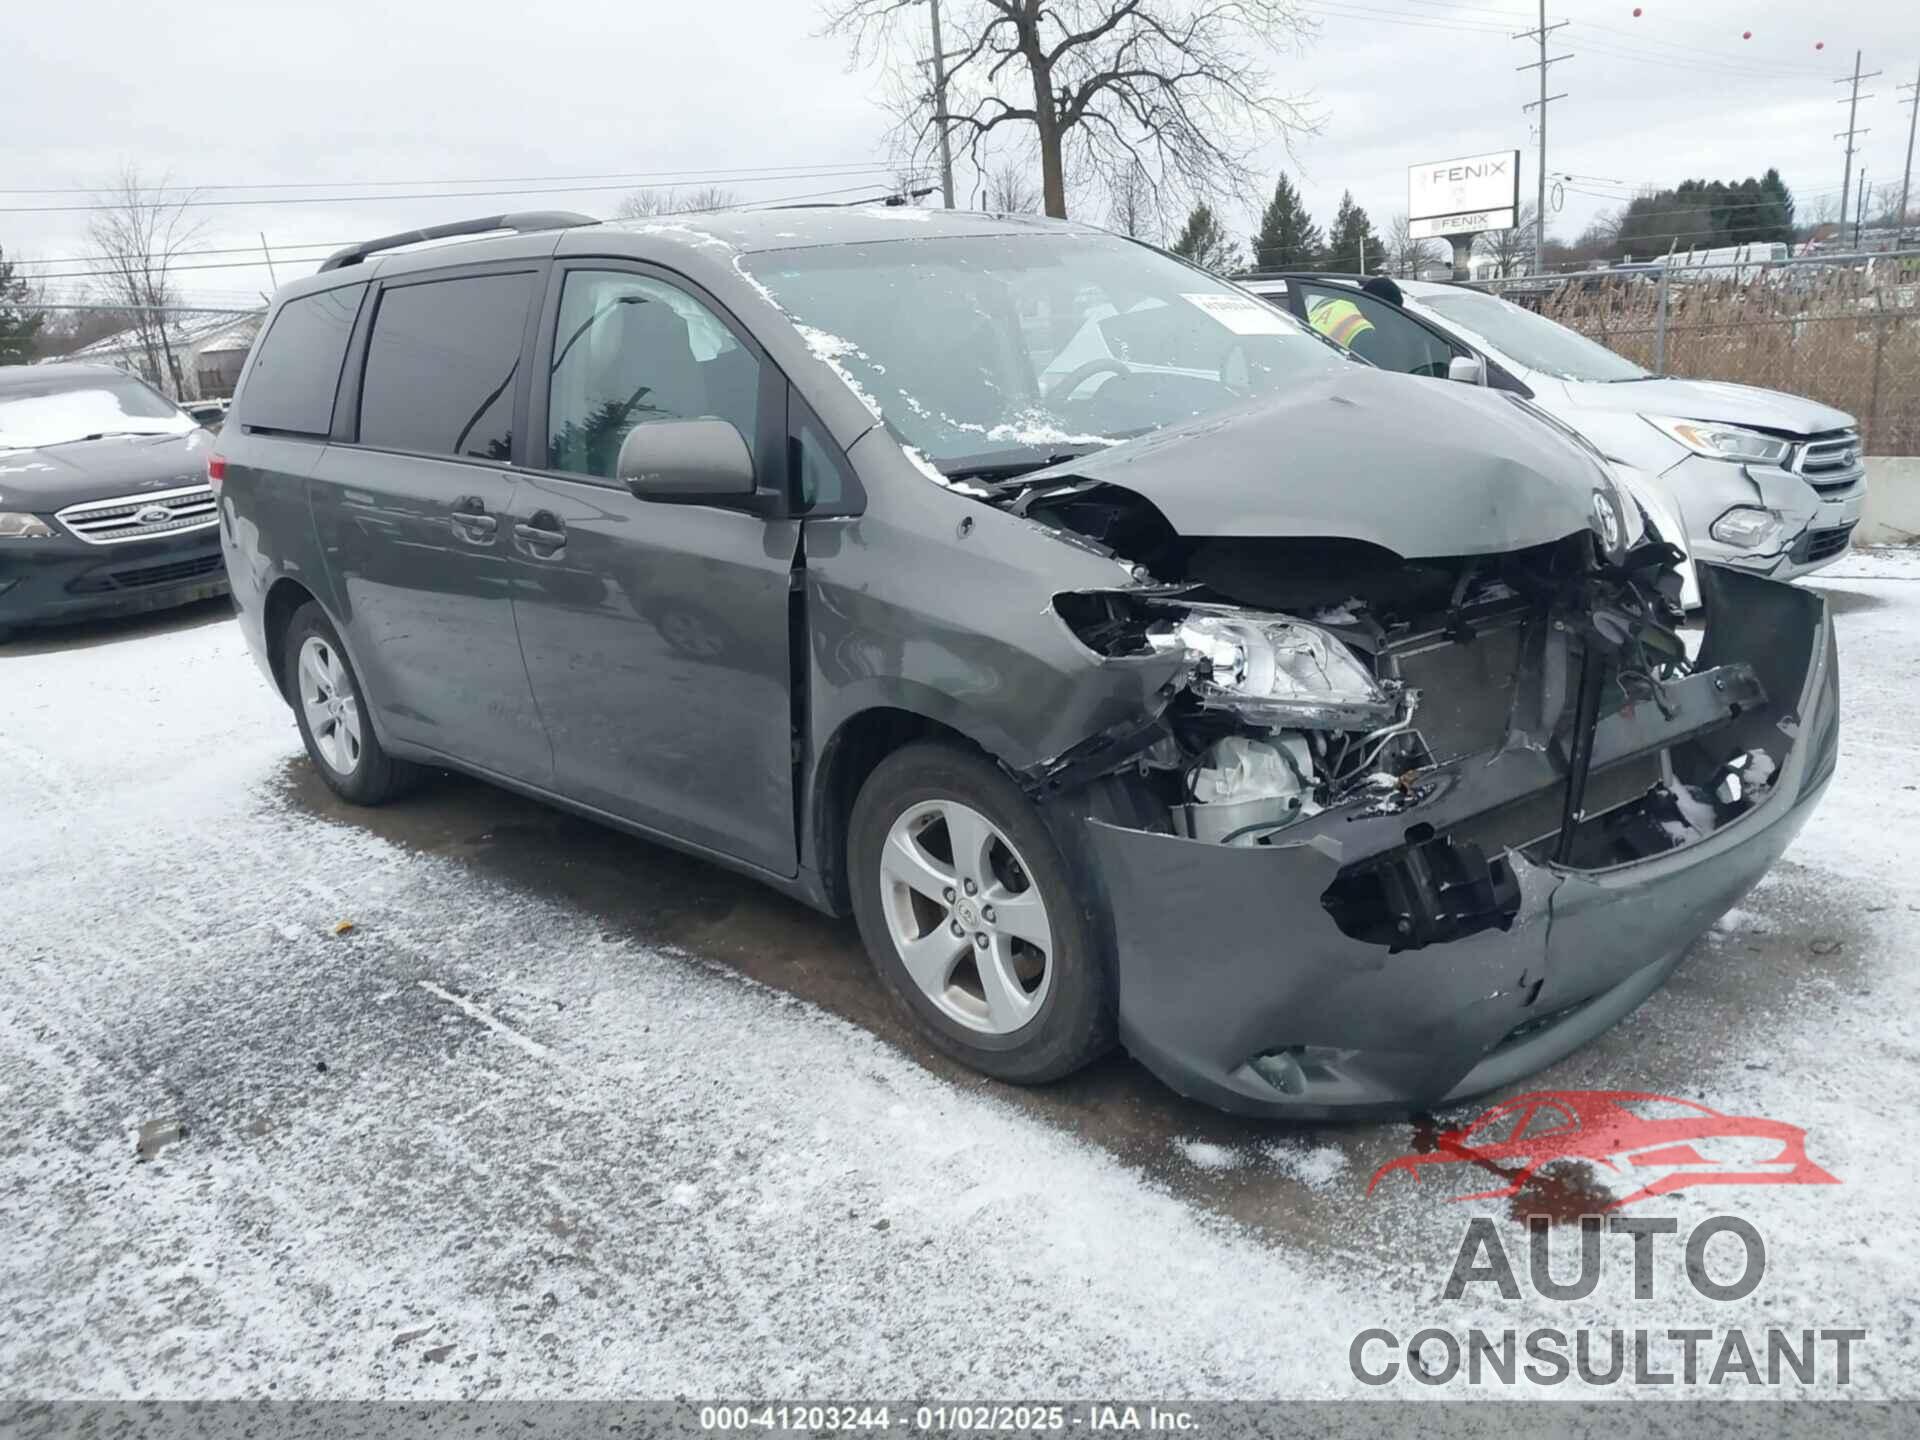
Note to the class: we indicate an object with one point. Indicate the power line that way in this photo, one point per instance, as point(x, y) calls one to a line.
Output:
point(687, 177)
point(309, 260)
point(1690, 57)
point(1906, 176)
point(1541, 34)
point(1852, 102)
point(191, 204)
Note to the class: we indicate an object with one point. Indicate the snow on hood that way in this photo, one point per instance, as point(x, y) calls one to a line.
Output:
point(1712, 400)
point(61, 475)
point(1417, 468)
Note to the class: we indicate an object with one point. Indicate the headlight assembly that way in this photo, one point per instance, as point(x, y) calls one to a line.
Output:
point(1723, 442)
point(18, 525)
point(1278, 671)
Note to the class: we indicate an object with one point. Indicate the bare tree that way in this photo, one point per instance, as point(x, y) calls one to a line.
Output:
point(641, 204)
point(1511, 251)
point(1404, 253)
point(135, 240)
point(1134, 209)
point(1010, 189)
point(1176, 86)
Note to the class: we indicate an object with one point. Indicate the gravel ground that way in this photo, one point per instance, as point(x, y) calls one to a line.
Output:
point(468, 1099)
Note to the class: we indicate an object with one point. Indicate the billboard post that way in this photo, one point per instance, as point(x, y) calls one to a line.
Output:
point(1458, 199)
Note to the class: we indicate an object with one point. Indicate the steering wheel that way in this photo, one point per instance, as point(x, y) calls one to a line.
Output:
point(1079, 376)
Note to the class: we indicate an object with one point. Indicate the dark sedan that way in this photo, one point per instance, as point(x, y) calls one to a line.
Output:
point(104, 502)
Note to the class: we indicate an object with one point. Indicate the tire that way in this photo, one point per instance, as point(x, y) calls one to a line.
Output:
point(1038, 1000)
point(346, 752)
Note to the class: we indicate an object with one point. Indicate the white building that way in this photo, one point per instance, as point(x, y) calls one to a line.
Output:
point(208, 351)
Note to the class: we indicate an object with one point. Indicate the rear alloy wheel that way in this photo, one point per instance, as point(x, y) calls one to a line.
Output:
point(963, 901)
point(333, 718)
point(332, 709)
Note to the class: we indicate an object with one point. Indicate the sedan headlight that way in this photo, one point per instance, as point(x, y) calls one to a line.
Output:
point(1723, 442)
point(1747, 527)
point(18, 525)
point(1279, 671)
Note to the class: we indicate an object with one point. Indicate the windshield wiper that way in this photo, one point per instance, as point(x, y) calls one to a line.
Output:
point(985, 467)
point(99, 435)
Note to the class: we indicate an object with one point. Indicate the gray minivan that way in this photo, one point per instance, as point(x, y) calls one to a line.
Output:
point(1132, 664)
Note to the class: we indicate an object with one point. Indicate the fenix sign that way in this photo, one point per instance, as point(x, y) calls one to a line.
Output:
point(1460, 197)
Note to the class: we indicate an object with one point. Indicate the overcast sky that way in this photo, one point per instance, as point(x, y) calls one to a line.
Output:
point(346, 97)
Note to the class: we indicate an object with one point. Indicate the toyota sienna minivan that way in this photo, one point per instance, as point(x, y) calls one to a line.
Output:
point(1132, 664)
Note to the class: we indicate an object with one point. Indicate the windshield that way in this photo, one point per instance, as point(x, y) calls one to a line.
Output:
point(1003, 349)
point(1532, 340)
point(60, 410)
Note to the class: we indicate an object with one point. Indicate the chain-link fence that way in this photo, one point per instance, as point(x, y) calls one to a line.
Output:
point(1844, 330)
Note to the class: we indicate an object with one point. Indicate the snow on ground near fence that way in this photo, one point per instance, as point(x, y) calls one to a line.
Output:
point(478, 1146)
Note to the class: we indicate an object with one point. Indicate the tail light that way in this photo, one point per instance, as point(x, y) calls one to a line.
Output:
point(216, 471)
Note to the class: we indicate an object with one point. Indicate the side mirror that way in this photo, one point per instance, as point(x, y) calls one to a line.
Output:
point(1467, 369)
point(686, 462)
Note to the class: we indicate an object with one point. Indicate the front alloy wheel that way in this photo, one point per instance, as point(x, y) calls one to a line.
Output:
point(970, 915)
point(965, 918)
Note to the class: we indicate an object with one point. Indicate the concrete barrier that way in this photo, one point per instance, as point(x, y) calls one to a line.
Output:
point(1892, 512)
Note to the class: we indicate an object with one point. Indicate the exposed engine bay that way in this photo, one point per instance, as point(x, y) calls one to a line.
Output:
point(1425, 717)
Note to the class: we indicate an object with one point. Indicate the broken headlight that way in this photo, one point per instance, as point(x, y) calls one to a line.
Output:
point(1277, 671)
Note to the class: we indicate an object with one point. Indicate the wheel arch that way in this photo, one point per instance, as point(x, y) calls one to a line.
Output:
point(284, 597)
point(849, 755)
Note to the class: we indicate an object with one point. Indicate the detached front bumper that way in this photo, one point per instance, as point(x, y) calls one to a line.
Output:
point(56, 579)
point(1238, 988)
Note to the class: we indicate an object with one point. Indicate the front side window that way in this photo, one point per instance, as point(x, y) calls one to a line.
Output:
point(441, 366)
point(291, 386)
point(627, 350)
point(1376, 331)
point(58, 411)
point(989, 349)
point(1531, 340)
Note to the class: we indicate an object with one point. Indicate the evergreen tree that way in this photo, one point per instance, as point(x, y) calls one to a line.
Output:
point(1351, 244)
point(1287, 238)
point(18, 324)
point(1205, 242)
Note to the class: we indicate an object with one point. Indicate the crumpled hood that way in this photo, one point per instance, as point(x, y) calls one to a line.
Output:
point(61, 475)
point(1418, 468)
point(1712, 400)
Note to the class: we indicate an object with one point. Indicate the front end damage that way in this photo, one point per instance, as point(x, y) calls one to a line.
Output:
point(1404, 831)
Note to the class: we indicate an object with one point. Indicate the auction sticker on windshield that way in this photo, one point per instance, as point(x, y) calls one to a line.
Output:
point(1243, 315)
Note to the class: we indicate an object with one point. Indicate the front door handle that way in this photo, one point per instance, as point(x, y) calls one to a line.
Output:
point(471, 521)
point(542, 532)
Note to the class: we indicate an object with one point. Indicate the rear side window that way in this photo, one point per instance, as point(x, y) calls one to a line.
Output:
point(441, 366)
point(297, 371)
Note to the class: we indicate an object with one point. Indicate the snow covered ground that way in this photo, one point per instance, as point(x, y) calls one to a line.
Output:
point(487, 1143)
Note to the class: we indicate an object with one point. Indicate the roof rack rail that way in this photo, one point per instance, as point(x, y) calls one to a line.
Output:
point(522, 222)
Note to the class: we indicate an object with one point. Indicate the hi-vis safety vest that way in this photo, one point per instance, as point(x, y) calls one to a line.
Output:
point(1341, 321)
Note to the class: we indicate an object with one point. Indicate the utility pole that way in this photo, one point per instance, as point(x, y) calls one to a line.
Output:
point(1852, 102)
point(940, 108)
point(1540, 204)
point(1859, 208)
point(1912, 102)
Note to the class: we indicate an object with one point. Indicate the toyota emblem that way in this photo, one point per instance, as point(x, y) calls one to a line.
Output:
point(1606, 522)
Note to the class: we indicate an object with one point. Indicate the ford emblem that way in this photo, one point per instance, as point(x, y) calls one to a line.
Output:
point(152, 515)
